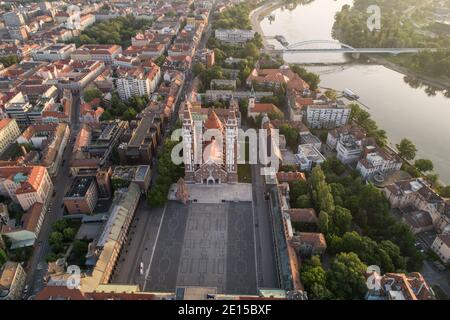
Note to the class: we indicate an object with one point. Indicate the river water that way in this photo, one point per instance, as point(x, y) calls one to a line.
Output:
point(403, 111)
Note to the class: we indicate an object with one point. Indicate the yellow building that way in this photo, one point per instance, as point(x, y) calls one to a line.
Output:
point(9, 132)
point(12, 281)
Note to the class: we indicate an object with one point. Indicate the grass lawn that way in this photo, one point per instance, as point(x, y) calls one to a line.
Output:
point(244, 173)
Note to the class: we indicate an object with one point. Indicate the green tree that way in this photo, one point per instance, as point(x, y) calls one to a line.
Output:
point(424, 165)
point(69, 234)
point(314, 279)
point(298, 188)
point(9, 61)
point(251, 50)
point(444, 191)
point(60, 225)
point(3, 257)
point(323, 222)
point(346, 279)
point(311, 78)
point(79, 251)
point(291, 135)
point(406, 149)
point(91, 94)
point(160, 60)
point(433, 179)
point(303, 201)
point(321, 191)
point(56, 238)
point(341, 220)
point(129, 115)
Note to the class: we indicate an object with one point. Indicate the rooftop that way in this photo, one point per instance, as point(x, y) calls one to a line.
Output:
point(79, 187)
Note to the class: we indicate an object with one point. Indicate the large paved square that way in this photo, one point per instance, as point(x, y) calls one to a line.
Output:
point(208, 245)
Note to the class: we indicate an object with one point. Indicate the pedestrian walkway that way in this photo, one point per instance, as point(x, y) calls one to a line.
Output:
point(201, 193)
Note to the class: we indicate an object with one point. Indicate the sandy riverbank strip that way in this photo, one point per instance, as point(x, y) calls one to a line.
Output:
point(258, 14)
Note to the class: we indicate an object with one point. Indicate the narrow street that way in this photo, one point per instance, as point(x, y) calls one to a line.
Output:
point(37, 266)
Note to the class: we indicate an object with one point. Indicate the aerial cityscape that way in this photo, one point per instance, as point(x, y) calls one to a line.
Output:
point(225, 150)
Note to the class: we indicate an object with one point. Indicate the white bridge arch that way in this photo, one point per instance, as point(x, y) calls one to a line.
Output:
point(337, 44)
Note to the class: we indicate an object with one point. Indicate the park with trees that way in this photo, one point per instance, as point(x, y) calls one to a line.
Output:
point(62, 236)
point(167, 173)
point(359, 228)
point(119, 30)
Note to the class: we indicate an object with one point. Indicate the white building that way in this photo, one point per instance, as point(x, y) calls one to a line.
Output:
point(328, 116)
point(441, 246)
point(57, 51)
point(234, 35)
point(137, 81)
point(377, 160)
point(308, 156)
point(18, 107)
point(25, 185)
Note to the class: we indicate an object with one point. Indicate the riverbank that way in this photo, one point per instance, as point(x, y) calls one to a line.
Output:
point(257, 14)
point(427, 80)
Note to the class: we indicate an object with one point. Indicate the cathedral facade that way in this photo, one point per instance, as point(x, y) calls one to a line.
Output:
point(210, 144)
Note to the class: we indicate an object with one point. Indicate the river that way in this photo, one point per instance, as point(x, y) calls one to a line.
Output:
point(397, 107)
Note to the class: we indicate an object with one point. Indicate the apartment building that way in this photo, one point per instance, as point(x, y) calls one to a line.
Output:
point(416, 193)
point(112, 238)
point(441, 246)
point(82, 196)
point(327, 116)
point(142, 39)
point(123, 176)
point(97, 52)
point(137, 81)
point(9, 131)
point(234, 36)
point(401, 286)
point(24, 232)
point(53, 52)
point(50, 139)
point(308, 156)
point(25, 185)
point(13, 19)
point(12, 281)
point(377, 160)
point(143, 142)
point(17, 108)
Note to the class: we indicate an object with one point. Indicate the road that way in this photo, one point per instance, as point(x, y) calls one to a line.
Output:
point(265, 249)
point(37, 267)
point(436, 277)
point(139, 244)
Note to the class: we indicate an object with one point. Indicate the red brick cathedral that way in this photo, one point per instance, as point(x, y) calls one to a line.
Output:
point(218, 153)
